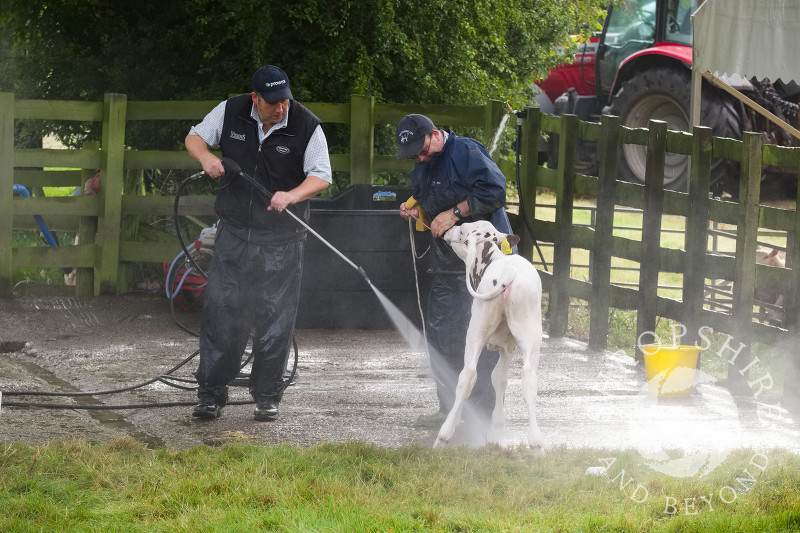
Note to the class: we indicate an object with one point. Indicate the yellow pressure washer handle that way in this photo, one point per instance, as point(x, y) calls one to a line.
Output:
point(424, 221)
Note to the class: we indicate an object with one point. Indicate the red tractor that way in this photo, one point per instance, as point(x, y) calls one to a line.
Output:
point(639, 68)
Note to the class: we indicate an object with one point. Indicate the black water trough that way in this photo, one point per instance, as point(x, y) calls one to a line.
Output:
point(364, 224)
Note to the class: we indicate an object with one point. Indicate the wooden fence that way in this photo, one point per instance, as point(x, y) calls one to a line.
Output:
point(695, 262)
point(104, 246)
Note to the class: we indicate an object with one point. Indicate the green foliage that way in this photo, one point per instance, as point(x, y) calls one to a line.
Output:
point(47, 276)
point(432, 51)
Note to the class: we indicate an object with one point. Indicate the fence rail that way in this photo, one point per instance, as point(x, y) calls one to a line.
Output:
point(695, 261)
point(107, 244)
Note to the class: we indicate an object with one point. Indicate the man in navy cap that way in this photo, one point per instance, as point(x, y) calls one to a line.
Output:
point(454, 180)
point(254, 286)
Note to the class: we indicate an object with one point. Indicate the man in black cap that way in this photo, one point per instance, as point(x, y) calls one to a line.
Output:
point(454, 180)
point(254, 282)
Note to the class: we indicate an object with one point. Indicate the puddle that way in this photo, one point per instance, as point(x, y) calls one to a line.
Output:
point(11, 346)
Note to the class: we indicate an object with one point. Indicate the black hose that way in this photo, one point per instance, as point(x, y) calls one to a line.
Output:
point(101, 392)
point(233, 168)
point(114, 407)
point(178, 193)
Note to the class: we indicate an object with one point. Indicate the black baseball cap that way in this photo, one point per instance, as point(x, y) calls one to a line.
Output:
point(411, 132)
point(272, 84)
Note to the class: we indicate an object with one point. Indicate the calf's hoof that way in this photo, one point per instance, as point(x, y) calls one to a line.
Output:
point(440, 442)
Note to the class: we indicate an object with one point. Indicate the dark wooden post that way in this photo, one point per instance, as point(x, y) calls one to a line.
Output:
point(793, 262)
point(696, 237)
point(651, 230)
point(604, 229)
point(746, 243)
point(528, 175)
point(565, 196)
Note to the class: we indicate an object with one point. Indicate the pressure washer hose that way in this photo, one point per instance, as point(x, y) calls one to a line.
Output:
point(233, 167)
point(165, 378)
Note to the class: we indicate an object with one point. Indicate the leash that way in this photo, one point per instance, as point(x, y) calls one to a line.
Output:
point(414, 259)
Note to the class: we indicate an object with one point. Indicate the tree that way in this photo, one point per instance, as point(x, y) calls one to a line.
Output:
point(405, 51)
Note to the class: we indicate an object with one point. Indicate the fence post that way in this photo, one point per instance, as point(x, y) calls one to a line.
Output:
point(112, 172)
point(746, 243)
point(696, 237)
point(493, 114)
point(362, 138)
point(6, 193)
point(793, 262)
point(562, 252)
point(528, 175)
point(651, 230)
point(603, 234)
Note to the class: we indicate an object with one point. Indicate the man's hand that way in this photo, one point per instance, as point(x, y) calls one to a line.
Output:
point(443, 222)
point(281, 200)
point(408, 213)
point(197, 148)
point(212, 165)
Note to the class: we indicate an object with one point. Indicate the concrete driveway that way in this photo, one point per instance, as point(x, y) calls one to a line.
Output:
point(364, 385)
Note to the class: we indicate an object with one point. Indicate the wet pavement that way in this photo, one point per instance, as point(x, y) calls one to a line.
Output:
point(364, 385)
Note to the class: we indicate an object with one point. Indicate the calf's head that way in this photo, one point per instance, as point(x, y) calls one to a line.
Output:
point(477, 243)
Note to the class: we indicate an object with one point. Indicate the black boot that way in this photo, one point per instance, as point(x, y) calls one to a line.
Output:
point(209, 406)
point(266, 410)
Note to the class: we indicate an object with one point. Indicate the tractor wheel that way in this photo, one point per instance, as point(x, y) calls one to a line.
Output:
point(664, 94)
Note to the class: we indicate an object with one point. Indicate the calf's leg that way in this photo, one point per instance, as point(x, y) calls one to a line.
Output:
point(476, 340)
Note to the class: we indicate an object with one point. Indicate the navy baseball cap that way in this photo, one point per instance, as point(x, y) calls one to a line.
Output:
point(272, 84)
point(411, 132)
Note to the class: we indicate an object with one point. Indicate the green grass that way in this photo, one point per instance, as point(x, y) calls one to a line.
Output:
point(122, 486)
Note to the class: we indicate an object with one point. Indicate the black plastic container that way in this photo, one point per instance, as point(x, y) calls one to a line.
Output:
point(364, 224)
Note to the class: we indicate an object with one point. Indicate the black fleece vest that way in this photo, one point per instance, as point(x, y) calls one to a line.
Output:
point(277, 164)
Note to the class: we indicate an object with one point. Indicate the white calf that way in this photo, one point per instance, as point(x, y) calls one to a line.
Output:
point(506, 312)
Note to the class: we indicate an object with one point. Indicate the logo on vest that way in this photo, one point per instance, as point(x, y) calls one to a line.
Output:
point(283, 150)
point(238, 136)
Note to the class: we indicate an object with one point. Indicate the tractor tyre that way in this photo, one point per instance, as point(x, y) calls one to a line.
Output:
point(663, 93)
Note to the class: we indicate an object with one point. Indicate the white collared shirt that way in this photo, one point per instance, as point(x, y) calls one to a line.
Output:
point(316, 161)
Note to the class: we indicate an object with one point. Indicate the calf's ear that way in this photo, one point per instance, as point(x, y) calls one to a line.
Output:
point(513, 240)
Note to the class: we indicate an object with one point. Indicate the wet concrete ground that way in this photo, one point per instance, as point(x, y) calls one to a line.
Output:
point(361, 385)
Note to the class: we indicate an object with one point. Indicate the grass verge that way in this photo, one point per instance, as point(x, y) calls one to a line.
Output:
point(123, 486)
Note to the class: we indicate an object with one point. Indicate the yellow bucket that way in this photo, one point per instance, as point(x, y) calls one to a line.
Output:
point(670, 369)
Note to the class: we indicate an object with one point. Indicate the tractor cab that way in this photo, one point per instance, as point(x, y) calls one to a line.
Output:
point(641, 28)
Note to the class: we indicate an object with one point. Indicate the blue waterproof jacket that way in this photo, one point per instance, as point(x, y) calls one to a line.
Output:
point(463, 170)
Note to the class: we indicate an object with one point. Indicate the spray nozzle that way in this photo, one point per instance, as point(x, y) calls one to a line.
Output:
point(231, 166)
point(364, 274)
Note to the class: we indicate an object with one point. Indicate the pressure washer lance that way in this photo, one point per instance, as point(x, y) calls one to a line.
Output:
point(233, 167)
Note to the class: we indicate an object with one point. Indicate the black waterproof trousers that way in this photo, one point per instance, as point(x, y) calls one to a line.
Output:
point(449, 312)
point(252, 289)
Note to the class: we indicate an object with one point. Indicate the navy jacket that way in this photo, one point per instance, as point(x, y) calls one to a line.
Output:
point(463, 170)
